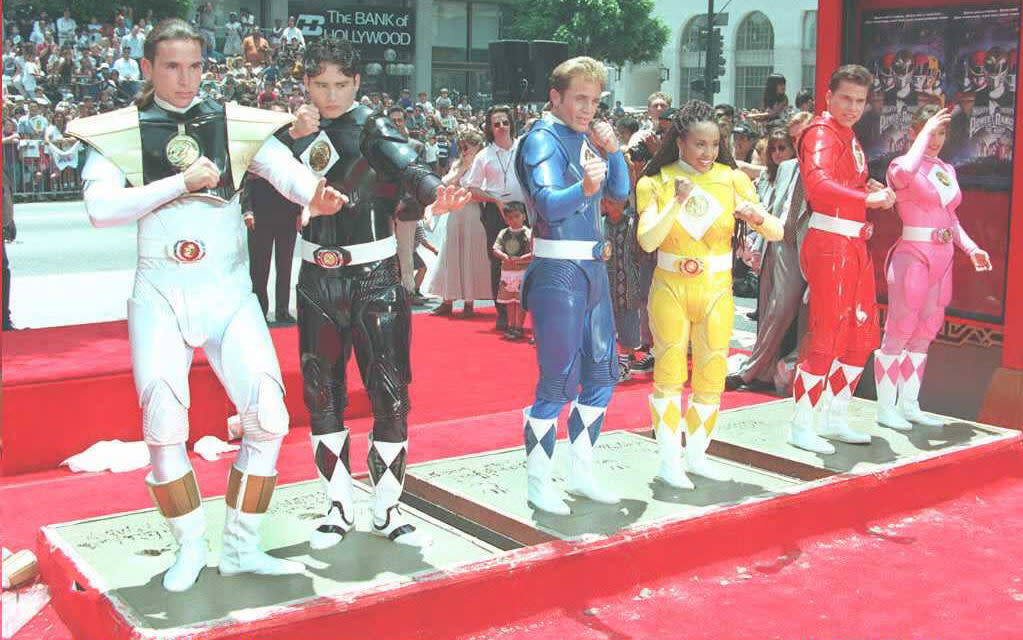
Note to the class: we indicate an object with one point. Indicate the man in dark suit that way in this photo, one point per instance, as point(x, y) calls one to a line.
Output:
point(271, 219)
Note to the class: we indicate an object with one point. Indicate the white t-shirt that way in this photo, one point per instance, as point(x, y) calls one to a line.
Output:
point(493, 171)
point(128, 69)
point(66, 29)
point(293, 32)
point(431, 151)
point(135, 44)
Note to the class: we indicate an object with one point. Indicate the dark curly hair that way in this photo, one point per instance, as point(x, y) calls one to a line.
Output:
point(692, 112)
point(337, 51)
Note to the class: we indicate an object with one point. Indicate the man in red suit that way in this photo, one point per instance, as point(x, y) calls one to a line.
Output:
point(843, 327)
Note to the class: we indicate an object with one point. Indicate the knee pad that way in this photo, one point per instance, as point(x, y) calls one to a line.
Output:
point(322, 391)
point(600, 374)
point(388, 391)
point(559, 386)
point(268, 420)
point(164, 417)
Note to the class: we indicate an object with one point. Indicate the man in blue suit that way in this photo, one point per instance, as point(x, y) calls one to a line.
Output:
point(566, 165)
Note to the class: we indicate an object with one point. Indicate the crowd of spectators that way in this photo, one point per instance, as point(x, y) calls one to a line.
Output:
point(76, 66)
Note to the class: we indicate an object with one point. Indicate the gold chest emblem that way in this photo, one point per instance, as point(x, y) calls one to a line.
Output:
point(943, 178)
point(697, 206)
point(319, 156)
point(182, 151)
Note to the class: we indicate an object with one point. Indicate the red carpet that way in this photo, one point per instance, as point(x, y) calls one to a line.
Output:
point(77, 381)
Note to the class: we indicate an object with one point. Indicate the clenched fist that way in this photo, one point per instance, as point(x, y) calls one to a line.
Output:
point(881, 199)
point(203, 174)
point(594, 171)
point(603, 135)
point(307, 122)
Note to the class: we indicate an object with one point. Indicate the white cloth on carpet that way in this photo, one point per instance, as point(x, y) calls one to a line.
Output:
point(210, 447)
point(112, 455)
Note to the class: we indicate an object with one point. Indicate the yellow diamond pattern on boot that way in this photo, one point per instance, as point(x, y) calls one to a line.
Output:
point(694, 420)
point(672, 417)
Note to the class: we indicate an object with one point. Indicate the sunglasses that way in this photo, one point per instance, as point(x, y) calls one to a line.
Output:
point(502, 123)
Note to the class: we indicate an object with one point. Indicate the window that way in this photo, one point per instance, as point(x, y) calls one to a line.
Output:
point(450, 31)
point(486, 26)
point(754, 60)
point(809, 50)
point(691, 58)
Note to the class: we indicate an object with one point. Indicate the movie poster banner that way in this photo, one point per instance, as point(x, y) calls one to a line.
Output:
point(964, 59)
point(961, 58)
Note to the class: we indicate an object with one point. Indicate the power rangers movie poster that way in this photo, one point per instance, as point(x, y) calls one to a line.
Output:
point(961, 58)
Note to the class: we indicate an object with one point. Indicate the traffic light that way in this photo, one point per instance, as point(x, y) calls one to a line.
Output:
point(715, 54)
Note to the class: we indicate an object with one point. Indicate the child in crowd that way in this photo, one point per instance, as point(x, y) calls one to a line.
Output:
point(513, 247)
point(418, 264)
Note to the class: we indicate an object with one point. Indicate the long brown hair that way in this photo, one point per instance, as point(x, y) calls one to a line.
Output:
point(165, 30)
point(776, 135)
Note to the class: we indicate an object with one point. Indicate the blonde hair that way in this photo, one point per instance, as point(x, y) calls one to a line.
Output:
point(581, 66)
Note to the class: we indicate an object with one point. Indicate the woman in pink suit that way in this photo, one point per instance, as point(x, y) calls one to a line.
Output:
point(919, 269)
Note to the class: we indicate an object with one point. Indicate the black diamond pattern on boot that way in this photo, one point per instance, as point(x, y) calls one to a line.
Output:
point(326, 461)
point(376, 464)
point(398, 466)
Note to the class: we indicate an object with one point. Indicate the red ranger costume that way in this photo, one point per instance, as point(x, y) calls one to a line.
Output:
point(843, 325)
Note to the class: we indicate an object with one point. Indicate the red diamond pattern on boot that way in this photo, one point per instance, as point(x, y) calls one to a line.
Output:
point(855, 381)
point(837, 380)
point(799, 389)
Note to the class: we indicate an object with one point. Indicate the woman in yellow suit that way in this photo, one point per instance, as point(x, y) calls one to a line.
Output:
point(689, 204)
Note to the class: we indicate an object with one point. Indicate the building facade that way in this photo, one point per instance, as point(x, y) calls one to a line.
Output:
point(759, 39)
point(443, 44)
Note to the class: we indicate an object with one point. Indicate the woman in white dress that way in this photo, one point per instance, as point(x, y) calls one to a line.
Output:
point(233, 36)
point(462, 271)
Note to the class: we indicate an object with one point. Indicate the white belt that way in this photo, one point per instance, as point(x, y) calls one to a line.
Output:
point(937, 235)
point(848, 228)
point(185, 251)
point(335, 257)
point(689, 266)
point(564, 249)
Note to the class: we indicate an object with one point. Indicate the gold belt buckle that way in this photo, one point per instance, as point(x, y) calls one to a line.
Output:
point(942, 236)
point(690, 266)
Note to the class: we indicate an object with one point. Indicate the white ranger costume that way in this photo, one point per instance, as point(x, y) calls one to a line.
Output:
point(192, 289)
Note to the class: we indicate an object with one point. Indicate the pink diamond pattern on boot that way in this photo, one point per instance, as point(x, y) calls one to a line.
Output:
point(907, 368)
point(891, 371)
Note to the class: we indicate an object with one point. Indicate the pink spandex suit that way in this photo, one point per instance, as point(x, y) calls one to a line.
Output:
point(919, 272)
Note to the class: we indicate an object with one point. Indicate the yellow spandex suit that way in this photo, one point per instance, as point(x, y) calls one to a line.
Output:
point(691, 299)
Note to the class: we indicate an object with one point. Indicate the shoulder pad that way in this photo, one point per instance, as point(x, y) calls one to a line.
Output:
point(116, 136)
point(361, 114)
point(247, 130)
point(234, 112)
point(540, 144)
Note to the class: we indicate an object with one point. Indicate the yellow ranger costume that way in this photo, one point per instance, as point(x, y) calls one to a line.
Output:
point(691, 300)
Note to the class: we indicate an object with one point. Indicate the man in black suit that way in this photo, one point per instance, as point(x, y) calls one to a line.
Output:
point(272, 222)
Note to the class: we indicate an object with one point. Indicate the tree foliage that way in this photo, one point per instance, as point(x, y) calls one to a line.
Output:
point(616, 31)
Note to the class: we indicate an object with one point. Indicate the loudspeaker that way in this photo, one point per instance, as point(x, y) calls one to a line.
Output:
point(510, 71)
point(544, 55)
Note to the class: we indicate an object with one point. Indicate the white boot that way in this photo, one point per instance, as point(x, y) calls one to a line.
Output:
point(666, 414)
point(541, 435)
point(913, 372)
point(839, 388)
point(247, 500)
point(887, 378)
point(330, 452)
point(387, 472)
point(584, 424)
point(179, 502)
point(700, 422)
point(807, 389)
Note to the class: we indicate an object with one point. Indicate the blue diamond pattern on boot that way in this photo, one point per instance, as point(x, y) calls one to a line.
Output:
point(594, 429)
point(530, 439)
point(547, 441)
point(575, 424)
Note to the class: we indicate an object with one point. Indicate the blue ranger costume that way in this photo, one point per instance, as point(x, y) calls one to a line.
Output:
point(566, 289)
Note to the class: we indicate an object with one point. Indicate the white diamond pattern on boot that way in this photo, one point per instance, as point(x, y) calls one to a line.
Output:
point(909, 398)
point(580, 478)
point(331, 528)
point(887, 379)
point(540, 492)
point(801, 430)
point(836, 411)
point(669, 442)
point(697, 442)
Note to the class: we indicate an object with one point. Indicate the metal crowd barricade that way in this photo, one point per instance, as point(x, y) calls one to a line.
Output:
point(37, 176)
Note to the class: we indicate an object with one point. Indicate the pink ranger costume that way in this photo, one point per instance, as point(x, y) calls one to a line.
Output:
point(919, 274)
